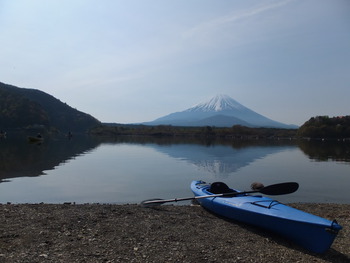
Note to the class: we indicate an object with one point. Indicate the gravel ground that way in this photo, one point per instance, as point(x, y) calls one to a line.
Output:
point(130, 233)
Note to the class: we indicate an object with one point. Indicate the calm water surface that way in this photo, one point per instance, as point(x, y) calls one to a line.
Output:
point(129, 170)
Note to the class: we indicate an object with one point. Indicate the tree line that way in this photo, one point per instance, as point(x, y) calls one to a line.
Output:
point(319, 127)
point(234, 132)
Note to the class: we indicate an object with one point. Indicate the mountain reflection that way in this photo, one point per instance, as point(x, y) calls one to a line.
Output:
point(18, 158)
point(220, 156)
point(214, 155)
point(221, 159)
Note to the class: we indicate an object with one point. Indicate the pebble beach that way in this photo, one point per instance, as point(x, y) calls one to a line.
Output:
point(131, 233)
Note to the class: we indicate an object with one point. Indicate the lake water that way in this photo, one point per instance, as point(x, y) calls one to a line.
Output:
point(128, 170)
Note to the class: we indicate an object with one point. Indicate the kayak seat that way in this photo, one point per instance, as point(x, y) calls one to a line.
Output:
point(220, 188)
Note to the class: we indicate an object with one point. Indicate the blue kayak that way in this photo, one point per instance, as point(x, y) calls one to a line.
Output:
point(312, 232)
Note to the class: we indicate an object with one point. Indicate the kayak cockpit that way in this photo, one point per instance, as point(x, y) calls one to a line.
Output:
point(221, 188)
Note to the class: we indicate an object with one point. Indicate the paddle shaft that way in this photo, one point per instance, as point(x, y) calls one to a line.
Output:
point(196, 197)
point(275, 189)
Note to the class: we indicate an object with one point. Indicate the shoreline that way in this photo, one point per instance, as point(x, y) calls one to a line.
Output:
point(131, 233)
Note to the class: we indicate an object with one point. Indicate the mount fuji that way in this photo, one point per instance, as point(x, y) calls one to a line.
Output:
point(220, 111)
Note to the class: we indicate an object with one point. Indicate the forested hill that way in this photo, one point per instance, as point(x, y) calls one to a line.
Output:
point(23, 108)
point(326, 127)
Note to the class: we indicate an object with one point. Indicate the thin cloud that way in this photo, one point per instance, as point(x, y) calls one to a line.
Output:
point(212, 25)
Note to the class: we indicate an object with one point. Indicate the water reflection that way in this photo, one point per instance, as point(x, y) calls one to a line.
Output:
point(318, 150)
point(20, 158)
point(110, 169)
point(215, 156)
point(221, 160)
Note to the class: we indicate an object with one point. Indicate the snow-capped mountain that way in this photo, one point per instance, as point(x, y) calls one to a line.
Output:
point(220, 111)
point(218, 103)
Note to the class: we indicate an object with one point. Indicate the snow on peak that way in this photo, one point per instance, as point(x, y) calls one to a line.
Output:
point(218, 103)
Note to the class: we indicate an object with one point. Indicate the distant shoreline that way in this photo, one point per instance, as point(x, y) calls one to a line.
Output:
point(235, 132)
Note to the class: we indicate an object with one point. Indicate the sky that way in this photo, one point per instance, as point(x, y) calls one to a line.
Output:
point(130, 61)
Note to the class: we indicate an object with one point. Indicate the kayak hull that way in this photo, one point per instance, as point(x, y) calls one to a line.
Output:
point(312, 232)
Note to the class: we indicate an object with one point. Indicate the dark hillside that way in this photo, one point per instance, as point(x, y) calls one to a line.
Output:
point(20, 108)
point(326, 127)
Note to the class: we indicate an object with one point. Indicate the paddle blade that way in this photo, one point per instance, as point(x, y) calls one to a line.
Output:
point(152, 202)
point(280, 189)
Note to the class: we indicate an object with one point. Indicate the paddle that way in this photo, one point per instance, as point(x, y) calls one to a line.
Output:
point(274, 189)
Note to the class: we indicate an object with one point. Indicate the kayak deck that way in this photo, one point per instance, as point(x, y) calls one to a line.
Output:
point(312, 232)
